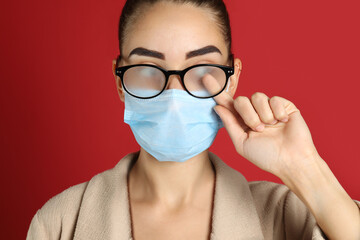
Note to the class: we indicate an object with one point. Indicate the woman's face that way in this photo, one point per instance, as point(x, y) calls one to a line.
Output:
point(174, 37)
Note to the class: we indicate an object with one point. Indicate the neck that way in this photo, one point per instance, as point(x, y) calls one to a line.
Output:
point(171, 184)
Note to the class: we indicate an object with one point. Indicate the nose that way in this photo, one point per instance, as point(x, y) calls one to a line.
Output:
point(174, 82)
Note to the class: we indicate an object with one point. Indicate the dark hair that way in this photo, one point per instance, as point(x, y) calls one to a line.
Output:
point(133, 8)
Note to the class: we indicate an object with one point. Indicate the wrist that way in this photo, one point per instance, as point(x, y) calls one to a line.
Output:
point(313, 181)
point(317, 187)
point(306, 175)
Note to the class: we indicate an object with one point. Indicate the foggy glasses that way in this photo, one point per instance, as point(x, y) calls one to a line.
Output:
point(148, 81)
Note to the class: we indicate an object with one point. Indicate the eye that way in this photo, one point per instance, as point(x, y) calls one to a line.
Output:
point(201, 71)
point(148, 71)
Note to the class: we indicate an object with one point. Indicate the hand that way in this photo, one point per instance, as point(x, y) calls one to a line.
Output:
point(270, 133)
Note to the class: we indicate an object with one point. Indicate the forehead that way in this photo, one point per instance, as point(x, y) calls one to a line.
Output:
point(174, 29)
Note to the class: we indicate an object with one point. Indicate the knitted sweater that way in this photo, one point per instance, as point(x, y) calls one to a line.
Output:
point(99, 209)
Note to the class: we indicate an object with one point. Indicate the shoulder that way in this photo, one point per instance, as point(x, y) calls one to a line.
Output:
point(265, 189)
point(281, 211)
point(57, 217)
point(68, 202)
point(275, 197)
point(65, 202)
point(269, 197)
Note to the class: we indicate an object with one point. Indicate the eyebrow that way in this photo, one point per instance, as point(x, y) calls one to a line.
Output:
point(151, 53)
point(203, 51)
point(147, 52)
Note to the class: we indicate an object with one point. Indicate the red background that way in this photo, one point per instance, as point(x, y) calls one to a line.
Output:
point(61, 120)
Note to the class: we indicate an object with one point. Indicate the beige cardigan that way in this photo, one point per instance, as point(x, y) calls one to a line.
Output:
point(99, 209)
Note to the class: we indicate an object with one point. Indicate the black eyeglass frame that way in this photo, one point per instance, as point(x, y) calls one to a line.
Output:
point(229, 71)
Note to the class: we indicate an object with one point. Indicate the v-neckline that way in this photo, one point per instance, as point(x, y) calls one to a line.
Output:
point(133, 161)
point(104, 211)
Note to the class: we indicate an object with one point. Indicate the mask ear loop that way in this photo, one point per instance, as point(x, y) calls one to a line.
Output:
point(231, 57)
point(229, 82)
point(228, 85)
point(117, 62)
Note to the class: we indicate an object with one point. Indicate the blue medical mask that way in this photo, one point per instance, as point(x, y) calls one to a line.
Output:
point(173, 126)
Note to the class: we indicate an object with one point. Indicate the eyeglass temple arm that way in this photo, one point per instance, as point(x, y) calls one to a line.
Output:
point(118, 60)
point(231, 58)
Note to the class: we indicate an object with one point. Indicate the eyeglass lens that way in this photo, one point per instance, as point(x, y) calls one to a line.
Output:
point(202, 81)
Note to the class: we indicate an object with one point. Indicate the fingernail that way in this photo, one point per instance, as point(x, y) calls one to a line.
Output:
point(285, 120)
point(275, 121)
point(260, 127)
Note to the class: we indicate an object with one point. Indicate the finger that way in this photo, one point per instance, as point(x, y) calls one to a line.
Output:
point(247, 112)
point(232, 126)
point(211, 84)
point(223, 99)
point(213, 87)
point(278, 105)
point(262, 106)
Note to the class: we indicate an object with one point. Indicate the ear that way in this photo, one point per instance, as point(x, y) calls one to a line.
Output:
point(234, 79)
point(118, 82)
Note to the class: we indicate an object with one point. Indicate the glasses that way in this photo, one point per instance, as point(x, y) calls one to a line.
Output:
point(148, 81)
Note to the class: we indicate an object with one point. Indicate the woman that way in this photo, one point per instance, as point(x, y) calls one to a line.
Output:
point(175, 68)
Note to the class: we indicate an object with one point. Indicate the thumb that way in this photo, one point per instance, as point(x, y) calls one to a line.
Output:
point(232, 126)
